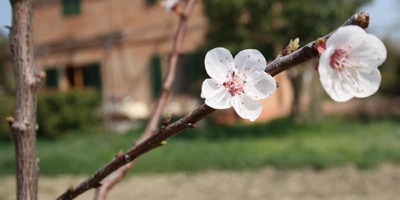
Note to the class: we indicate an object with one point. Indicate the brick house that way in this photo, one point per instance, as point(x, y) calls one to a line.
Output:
point(121, 47)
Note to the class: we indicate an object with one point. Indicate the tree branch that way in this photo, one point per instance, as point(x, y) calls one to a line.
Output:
point(23, 125)
point(282, 63)
point(151, 128)
point(278, 65)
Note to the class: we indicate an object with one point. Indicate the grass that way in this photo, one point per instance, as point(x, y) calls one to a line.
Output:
point(239, 147)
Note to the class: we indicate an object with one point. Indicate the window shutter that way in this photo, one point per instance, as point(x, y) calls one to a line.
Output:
point(155, 68)
point(91, 76)
point(71, 7)
point(52, 77)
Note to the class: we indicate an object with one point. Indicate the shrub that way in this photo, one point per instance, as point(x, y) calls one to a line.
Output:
point(60, 113)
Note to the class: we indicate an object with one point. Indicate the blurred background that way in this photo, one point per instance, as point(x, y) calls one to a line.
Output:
point(105, 61)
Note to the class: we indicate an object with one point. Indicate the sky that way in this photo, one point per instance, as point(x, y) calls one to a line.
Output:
point(385, 22)
point(5, 15)
point(385, 19)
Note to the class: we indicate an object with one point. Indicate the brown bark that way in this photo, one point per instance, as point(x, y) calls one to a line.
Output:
point(280, 64)
point(23, 126)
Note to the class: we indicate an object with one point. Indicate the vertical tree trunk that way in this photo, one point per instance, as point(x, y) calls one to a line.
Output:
point(24, 126)
point(314, 111)
point(296, 77)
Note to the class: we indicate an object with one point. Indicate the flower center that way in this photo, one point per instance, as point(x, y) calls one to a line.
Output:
point(338, 58)
point(235, 84)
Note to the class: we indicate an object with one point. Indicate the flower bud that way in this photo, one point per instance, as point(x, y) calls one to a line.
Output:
point(292, 47)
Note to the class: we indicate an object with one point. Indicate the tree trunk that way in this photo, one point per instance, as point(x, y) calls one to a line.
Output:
point(309, 108)
point(23, 126)
point(296, 77)
point(314, 111)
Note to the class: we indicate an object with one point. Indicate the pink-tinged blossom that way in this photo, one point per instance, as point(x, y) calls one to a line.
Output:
point(170, 4)
point(349, 65)
point(238, 82)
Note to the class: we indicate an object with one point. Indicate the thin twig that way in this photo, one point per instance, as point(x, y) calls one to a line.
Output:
point(151, 128)
point(282, 63)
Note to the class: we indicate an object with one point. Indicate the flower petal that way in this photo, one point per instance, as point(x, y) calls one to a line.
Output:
point(249, 60)
point(169, 4)
point(369, 82)
point(324, 68)
point(218, 62)
point(343, 35)
point(259, 85)
point(367, 51)
point(216, 95)
point(247, 107)
point(335, 87)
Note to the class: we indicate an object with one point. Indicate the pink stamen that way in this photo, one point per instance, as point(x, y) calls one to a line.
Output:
point(235, 85)
point(338, 58)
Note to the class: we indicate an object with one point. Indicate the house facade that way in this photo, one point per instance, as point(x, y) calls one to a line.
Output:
point(121, 47)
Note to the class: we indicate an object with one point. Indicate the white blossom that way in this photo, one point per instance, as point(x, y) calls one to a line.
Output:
point(239, 82)
point(349, 65)
point(169, 4)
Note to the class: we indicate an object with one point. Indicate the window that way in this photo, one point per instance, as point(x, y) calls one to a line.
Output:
point(71, 7)
point(87, 76)
point(51, 77)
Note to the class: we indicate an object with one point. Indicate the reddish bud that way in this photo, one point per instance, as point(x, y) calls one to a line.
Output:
point(191, 125)
point(120, 152)
point(363, 19)
point(10, 120)
point(320, 45)
point(42, 75)
point(291, 47)
point(167, 120)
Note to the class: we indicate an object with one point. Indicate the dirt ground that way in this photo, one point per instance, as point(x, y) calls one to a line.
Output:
point(343, 183)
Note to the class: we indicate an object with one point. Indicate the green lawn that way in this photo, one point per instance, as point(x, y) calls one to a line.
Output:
point(279, 143)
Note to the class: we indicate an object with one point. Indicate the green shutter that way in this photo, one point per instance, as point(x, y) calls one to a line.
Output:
point(155, 68)
point(71, 7)
point(150, 2)
point(52, 77)
point(91, 76)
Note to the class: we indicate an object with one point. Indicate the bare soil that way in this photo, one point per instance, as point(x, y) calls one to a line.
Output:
point(343, 183)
